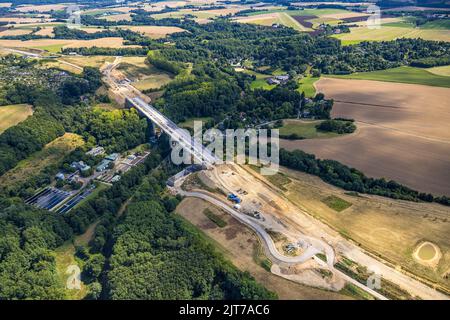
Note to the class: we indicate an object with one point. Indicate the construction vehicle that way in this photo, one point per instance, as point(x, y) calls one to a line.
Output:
point(234, 198)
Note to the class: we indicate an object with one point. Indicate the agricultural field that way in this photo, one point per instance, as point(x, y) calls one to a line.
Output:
point(365, 219)
point(305, 128)
point(301, 20)
point(386, 33)
point(87, 61)
point(189, 123)
point(55, 45)
point(306, 85)
point(13, 114)
point(404, 75)
point(41, 8)
point(200, 15)
point(402, 126)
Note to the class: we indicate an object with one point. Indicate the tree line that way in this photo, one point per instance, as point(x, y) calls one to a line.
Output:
point(347, 178)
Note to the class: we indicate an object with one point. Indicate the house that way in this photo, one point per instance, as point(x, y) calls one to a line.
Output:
point(282, 78)
point(103, 165)
point(112, 157)
point(97, 151)
point(80, 165)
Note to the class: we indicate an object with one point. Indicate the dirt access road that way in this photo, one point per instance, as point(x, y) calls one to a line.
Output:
point(283, 216)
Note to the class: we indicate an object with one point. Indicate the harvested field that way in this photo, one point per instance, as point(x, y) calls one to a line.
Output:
point(387, 227)
point(46, 31)
point(386, 33)
point(344, 15)
point(13, 114)
point(15, 32)
point(354, 19)
point(397, 137)
point(42, 8)
point(441, 71)
point(242, 247)
point(56, 44)
point(154, 32)
point(88, 61)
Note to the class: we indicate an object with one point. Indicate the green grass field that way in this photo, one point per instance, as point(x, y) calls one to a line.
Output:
point(304, 128)
point(307, 86)
point(306, 12)
point(403, 75)
point(13, 114)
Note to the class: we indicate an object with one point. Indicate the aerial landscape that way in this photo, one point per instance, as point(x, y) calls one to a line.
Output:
point(225, 150)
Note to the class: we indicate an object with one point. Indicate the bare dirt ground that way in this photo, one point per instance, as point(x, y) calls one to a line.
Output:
point(298, 221)
point(238, 243)
point(402, 132)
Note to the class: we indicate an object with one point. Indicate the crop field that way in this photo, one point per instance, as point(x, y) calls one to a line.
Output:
point(286, 17)
point(55, 45)
point(118, 17)
point(14, 32)
point(22, 20)
point(154, 32)
point(387, 227)
point(13, 114)
point(88, 61)
point(386, 33)
point(42, 8)
point(404, 75)
point(441, 71)
point(402, 126)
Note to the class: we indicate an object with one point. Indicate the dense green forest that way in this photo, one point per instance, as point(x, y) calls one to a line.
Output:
point(27, 261)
